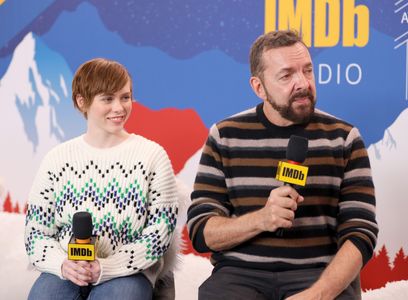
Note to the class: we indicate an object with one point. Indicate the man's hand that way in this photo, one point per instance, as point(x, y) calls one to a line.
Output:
point(223, 233)
point(77, 271)
point(337, 276)
point(279, 210)
point(308, 294)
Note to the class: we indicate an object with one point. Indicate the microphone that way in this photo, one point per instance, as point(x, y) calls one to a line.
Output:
point(82, 243)
point(292, 172)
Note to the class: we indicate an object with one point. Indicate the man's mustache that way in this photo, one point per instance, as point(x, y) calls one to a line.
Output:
point(302, 94)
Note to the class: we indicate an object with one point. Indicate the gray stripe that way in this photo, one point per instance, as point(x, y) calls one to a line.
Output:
point(327, 180)
point(354, 135)
point(212, 204)
point(363, 221)
point(252, 181)
point(263, 259)
point(192, 221)
point(282, 143)
point(313, 221)
point(362, 172)
point(260, 181)
point(203, 169)
point(325, 143)
point(208, 175)
point(368, 233)
point(357, 204)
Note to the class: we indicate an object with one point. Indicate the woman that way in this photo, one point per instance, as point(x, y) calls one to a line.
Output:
point(123, 180)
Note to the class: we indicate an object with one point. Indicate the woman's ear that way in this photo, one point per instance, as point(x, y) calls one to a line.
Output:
point(80, 101)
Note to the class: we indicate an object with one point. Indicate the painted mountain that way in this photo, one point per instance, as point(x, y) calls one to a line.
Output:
point(389, 162)
point(36, 111)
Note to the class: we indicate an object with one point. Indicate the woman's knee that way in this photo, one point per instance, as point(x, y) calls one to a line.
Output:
point(130, 287)
point(49, 286)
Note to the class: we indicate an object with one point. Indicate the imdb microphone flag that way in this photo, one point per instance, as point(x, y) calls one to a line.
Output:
point(292, 173)
point(81, 251)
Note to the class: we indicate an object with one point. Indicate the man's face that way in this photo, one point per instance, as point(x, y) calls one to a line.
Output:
point(288, 84)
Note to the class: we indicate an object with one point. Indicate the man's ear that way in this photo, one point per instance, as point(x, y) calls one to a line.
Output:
point(257, 87)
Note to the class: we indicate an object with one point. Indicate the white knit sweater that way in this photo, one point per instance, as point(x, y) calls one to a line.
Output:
point(130, 192)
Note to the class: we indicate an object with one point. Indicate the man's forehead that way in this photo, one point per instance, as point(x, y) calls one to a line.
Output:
point(285, 57)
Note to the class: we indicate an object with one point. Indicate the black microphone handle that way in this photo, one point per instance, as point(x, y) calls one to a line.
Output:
point(85, 290)
point(279, 232)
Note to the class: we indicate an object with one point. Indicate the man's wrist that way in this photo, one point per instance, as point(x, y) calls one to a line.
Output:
point(323, 291)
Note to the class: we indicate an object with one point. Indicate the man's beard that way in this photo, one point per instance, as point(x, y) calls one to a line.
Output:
point(300, 116)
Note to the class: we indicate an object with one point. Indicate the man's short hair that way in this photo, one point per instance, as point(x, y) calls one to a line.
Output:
point(267, 41)
point(98, 76)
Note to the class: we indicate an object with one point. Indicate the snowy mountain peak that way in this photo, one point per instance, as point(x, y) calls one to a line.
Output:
point(388, 158)
point(35, 104)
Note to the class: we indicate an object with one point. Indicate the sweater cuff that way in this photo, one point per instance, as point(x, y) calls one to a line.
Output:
point(199, 243)
point(366, 252)
point(54, 264)
point(109, 270)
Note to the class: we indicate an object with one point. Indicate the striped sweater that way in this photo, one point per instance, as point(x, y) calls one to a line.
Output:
point(130, 191)
point(237, 172)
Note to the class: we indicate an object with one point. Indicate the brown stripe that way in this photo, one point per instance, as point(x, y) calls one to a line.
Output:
point(245, 201)
point(294, 243)
point(199, 201)
point(358, 189)
point(251, 162)
point(209, 188)
point(328, 127)
point(209, 151)
point(358, 154)
point(356, 224)
point(332, 201)
point(324, 160)
point(261, 201)
point(240, 125)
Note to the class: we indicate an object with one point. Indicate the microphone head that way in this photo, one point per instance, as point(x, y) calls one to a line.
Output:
point(82, 225)
point(297, 149)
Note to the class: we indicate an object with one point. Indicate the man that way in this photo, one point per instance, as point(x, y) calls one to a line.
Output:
point(329, 227)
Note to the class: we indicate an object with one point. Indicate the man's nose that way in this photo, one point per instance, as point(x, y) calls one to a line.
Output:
point(301, 82)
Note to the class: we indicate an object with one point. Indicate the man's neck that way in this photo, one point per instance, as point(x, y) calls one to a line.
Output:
point(274, 116)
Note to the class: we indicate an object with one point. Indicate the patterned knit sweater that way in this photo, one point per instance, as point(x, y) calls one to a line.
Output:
point(129, 190)
point(237, 172)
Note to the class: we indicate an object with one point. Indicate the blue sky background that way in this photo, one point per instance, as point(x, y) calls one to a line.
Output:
point(193, 54)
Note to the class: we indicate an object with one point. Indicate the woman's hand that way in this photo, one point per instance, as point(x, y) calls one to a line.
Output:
point(95, 269)
point(78, 272)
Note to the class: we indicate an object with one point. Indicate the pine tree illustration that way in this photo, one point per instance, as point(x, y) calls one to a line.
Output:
point(377, 272)
point(7, 205)
point(400, 270)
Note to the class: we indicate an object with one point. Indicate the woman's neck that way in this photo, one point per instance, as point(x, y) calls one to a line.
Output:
point(106, 140)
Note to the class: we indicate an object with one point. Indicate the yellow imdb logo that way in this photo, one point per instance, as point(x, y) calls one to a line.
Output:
point(291, 173)
point(81, 252)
